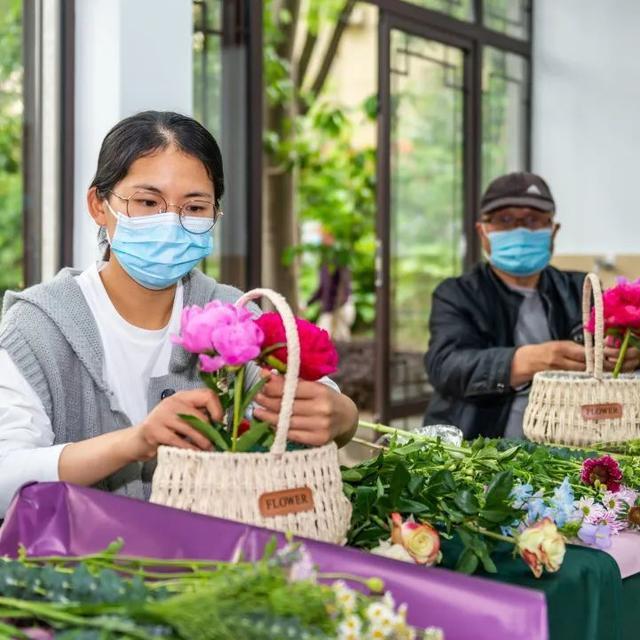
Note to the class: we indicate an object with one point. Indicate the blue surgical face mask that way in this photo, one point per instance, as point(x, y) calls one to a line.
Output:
point(156, 251)
point(520, 252)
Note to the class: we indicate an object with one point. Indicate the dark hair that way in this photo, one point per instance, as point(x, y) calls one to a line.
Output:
point(150, 131)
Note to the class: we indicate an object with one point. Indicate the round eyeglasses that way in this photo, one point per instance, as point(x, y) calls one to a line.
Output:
point(196, 216)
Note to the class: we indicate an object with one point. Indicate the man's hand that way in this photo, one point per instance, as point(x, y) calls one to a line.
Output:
point(557, 355)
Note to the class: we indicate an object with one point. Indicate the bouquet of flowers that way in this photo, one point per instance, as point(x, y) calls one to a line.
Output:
point(228, 340)
point(621, 306)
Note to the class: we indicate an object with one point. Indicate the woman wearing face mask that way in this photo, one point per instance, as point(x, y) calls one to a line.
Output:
point(494, 328)
point(90, 384)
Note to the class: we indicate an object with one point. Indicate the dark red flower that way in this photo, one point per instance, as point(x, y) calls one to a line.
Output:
point(318, 356)
point(604, 470)
point(244, 426)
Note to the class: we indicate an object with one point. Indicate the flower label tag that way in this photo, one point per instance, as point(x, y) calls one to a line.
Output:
point(601, 411)
point(282, 503)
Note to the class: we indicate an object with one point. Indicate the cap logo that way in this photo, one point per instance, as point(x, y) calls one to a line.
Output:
point(534, 189)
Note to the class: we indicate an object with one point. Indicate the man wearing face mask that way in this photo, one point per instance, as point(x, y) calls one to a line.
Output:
point(494, 328)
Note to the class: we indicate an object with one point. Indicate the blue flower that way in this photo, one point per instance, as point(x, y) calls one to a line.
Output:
point(520, 494)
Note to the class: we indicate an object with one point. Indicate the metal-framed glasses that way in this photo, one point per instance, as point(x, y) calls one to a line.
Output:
point(196, 216)
point(506, 220)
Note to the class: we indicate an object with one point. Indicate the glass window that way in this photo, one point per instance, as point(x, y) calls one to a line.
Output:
point(508, 16)
point(504, 113)
point(11, 246)
point(207, 83)
point(460, 9)
point(427, 210)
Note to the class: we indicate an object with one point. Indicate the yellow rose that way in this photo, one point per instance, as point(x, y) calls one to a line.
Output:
point(421, 541)
point(542, 546)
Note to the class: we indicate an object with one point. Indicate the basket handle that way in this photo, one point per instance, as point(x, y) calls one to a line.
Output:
point(593, 344)
point(293, 362)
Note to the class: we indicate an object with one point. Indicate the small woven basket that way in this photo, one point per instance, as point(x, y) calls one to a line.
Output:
point(292, 491)
point(584, 408)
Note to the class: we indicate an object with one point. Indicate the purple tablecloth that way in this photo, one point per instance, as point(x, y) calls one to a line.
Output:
point(62, 519)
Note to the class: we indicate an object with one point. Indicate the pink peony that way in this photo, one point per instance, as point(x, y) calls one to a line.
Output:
point(604, 470)
point(239, 342)
point(318, 356)
point(621, 307)
point(221, 333)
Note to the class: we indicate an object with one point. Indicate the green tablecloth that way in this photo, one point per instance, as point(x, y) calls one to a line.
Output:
point(587, 599)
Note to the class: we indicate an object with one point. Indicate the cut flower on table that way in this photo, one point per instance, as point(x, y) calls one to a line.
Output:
point(481, 495)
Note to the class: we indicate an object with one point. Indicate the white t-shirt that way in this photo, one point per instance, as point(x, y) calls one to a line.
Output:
point(132, 356)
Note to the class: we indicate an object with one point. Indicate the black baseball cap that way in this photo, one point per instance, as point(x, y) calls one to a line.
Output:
point(519, 189)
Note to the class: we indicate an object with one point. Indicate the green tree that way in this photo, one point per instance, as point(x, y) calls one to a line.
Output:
point(10, 145)
point(291, 91)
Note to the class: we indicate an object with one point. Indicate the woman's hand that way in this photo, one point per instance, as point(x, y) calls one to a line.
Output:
point(163, 426)
point(320, 414)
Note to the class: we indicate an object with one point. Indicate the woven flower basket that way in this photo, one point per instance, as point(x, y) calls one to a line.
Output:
point(584, 408)
point(292, 491)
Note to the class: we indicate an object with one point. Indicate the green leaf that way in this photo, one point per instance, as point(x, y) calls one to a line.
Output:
point(399, 481)
point(467, 502)
point(467, 562)
point(499, 490)
point(405, 505)
point(487, 563)
point(253, 436)
point(497, 516)
point(251, 394)
point(442, 482)
point(353, 475)
point(213, 435)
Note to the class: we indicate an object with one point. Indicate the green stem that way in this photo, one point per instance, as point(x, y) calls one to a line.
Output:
point(9, 631)
point(237, 407)
point(623, 353)
point(276, 364)
point(53, 613)
point(489, 534)
point(381, 428)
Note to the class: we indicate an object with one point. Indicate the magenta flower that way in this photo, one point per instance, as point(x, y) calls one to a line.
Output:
point(238, 343)
point(195, 334)
point(604, 470)
point(621, 307)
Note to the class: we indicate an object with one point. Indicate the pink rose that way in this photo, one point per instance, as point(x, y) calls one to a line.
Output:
point(318, 356)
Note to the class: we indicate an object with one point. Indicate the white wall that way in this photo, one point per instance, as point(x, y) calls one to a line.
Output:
point(130, 56)
point(586, 120)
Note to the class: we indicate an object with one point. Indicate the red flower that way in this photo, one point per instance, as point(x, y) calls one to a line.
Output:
point(318, 356)
point(243, 427)
point(604, 470)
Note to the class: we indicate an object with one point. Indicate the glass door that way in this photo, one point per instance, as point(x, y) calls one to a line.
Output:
point(421, 208)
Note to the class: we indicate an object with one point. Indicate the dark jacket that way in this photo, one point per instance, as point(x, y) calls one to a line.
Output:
point(472, 323)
